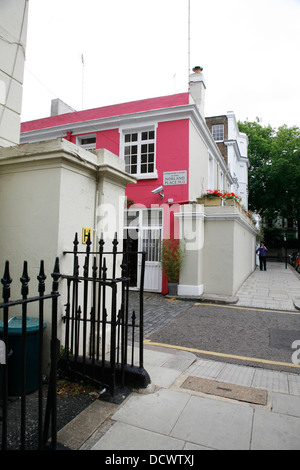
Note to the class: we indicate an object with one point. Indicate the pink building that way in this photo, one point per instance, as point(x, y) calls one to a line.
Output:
point(164, 143)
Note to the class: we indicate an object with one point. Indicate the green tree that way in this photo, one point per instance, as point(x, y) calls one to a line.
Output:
point(260, 155)
point(285, 171)
point(274, 173)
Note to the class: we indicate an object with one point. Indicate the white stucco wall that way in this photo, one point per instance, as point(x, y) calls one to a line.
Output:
point(13, 32)
point(198, 164)
point(237, 146)
point(191, 221)
point(49, 191)
point(229, 250)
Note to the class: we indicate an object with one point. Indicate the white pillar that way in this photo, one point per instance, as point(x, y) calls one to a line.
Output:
point(191, 222)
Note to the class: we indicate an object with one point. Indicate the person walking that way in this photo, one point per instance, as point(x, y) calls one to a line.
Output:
point(262, 257)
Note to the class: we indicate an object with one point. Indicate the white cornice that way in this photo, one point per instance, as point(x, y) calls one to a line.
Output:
point(239, 218)
point(237, 151)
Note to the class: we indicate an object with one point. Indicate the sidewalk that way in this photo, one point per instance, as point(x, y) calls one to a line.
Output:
point(277, 288)
point(195, 404)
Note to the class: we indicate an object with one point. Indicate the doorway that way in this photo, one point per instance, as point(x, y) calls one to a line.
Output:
point(143, 228)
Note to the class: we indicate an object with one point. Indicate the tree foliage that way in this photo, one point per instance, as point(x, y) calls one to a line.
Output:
point(274, 173)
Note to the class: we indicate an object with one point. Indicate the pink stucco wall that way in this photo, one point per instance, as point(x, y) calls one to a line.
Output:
point(172, 147)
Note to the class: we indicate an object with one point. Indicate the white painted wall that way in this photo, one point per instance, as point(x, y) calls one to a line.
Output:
point(198, 164)
point(229, 250)
point(13, 32)
point(49, 191)
point(191, 220)
point(238, 158)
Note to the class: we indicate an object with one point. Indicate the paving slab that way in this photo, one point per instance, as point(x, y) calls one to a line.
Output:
point(205, 368)
point(274, 431)
point(79, 430)
point(139, 410)
point(162, 376)
point(286, 404)
point(294, 384)
point(271, 380)
point(122, 436)
point(239, 375)
point(215, 424)
point(181, 361)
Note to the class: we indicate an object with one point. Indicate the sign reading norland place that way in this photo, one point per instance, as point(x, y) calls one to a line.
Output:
point(175, 177)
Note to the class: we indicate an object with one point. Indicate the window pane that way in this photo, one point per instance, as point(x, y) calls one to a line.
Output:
point(132, 219)
point(88, 140)
point(152, 217)
point(139, 152)
point(218, 132)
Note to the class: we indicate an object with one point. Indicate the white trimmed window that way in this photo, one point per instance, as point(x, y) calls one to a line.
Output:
point(139, 148)
point(87, 142)
point(218, 132)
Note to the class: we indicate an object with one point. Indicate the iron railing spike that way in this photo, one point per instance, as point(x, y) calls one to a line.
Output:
point(6, 281)
point(25, 280)
point(41, 278)
point(55, 276)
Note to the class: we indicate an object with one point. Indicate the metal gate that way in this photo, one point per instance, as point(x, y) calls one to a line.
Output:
point(46, 419)
point(100, 332)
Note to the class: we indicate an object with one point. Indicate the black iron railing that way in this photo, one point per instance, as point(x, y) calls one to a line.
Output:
point(100, 332)
point(47, 417)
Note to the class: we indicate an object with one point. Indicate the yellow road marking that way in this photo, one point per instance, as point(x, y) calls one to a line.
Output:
point(287, 312)
point(232, 356)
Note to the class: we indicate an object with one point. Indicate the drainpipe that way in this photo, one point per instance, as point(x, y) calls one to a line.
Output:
point(69, 136)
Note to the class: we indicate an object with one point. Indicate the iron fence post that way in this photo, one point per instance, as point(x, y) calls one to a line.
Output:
point(6, 281)
point(41, 289)
point(24, 290)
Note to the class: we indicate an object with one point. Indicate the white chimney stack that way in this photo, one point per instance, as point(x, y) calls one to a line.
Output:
point(197, 88)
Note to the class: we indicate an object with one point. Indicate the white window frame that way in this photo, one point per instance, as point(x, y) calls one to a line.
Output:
point(89, 146)
point(139, 130)
point(218, 130)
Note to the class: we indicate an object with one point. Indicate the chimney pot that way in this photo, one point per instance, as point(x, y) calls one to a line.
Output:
point(197, 69)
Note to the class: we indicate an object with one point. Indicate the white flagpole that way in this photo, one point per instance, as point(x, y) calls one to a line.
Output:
point(82, 91)
point(189, 42)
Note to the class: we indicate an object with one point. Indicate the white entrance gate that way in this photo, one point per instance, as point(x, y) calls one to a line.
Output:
point(144, 227)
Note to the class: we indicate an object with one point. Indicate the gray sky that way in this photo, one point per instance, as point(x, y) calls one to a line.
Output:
point(136, 49)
